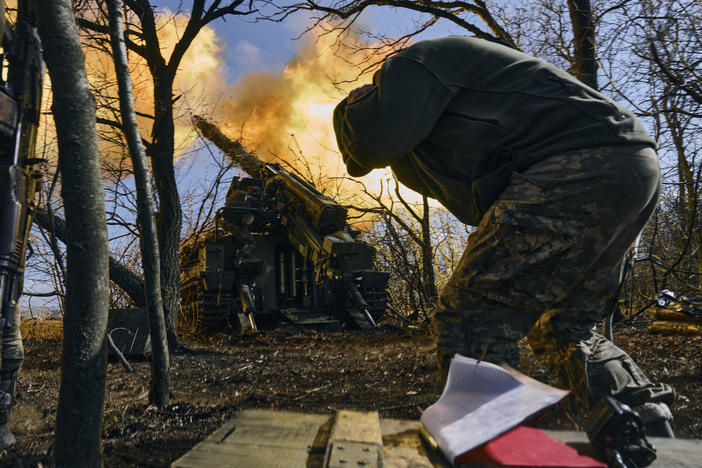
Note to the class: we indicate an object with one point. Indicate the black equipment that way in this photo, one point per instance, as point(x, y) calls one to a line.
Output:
point(21, 73)
point(617, 434)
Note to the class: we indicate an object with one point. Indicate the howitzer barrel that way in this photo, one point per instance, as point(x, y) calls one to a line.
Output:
point(325, 214)
point(247, 161)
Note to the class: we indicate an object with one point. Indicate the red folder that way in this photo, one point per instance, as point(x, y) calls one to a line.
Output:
point(526, 446)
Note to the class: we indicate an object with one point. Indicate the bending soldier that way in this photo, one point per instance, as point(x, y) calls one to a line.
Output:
point(559, 181)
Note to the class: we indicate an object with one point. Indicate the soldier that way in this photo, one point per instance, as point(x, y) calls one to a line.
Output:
point(11, 358)
point(18, 121)
point(559, 181)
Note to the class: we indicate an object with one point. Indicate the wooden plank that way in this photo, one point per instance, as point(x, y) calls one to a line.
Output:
point(281, 429)
point(243, 456)
point(220, 434)
point(251, 440)
point(403, 446)
point(356, 426)
point(355, 440)
point(262, 438)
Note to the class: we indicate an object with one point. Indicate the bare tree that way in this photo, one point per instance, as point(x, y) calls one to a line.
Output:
point(491, 21)
point(651, 57)
point(142, 39)
point(584, 50)
point(160, 379)
point(403, 233)
point(340, 18)
point(675, 44)
point(343, 15)
point(128, 281)
point(78, 426)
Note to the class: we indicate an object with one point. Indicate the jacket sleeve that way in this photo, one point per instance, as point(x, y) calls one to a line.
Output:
point(381, 127)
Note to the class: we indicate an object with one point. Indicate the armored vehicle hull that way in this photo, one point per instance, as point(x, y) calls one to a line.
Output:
point(273, 284)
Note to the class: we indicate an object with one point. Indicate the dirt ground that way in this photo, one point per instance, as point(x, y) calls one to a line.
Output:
point(389, 370)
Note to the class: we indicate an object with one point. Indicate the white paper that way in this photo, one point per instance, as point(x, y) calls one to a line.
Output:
point(480, 402)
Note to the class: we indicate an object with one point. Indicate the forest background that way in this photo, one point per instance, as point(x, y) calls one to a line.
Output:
point(644, 53)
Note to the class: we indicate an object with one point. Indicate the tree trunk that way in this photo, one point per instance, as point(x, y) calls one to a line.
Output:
point(585, 61)
point(169, 220)
point(160, 379)
point(429, 278)
point(163, 72)
point(81, 396)
point(688, 195)
point(129, 282)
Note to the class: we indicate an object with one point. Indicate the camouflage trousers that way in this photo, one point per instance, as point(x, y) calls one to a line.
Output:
point(11, 361)
point(545, 262)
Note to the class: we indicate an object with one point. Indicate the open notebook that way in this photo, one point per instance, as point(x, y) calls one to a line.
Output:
point(482, 401)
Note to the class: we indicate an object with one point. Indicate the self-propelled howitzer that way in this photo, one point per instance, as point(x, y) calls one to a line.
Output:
point(281, 251)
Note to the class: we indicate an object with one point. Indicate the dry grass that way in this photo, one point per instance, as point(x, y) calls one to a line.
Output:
point(42, 330)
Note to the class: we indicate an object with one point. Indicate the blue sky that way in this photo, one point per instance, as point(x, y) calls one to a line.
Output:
point(247, 46)
point(250, 46)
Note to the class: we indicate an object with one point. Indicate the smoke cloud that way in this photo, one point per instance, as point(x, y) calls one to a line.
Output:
point(288, 116)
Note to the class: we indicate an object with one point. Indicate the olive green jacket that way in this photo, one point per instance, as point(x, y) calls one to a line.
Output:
point(454, 117)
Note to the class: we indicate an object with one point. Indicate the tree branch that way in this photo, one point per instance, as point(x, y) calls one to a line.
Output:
point(92, 26)
point(129, 282)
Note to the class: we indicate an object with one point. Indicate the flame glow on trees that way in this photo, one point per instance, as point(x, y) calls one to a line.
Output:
point(288, 116)
point(285, 116)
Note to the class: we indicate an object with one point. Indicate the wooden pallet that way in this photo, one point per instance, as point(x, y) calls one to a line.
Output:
point(282, 439)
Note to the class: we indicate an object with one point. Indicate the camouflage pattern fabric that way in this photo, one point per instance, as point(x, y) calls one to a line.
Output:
point(12, 357)
point(544, 263)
